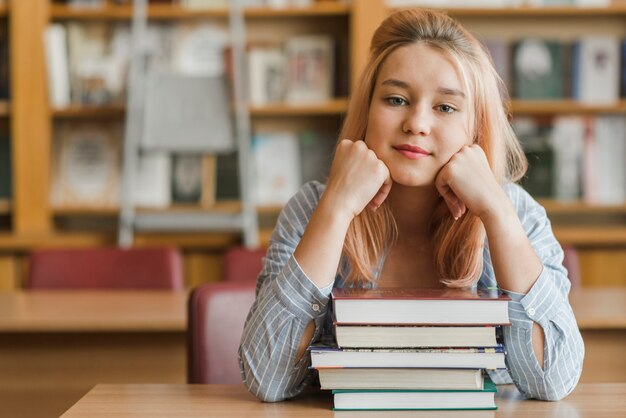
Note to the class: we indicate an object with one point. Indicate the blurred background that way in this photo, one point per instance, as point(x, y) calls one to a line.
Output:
point(186, 130)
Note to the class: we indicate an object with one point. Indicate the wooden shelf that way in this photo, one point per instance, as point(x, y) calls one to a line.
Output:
point(175, 12)
point(564, 11)
point(564, 106)
point(331, 107)
point(88, 112)
point(579, 207)
point(591, 235)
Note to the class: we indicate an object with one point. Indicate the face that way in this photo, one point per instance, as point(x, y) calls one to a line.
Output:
point(418, 116)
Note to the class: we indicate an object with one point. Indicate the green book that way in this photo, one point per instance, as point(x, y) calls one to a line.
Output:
point(5, 167)
point(484, 399)
point(539, 69)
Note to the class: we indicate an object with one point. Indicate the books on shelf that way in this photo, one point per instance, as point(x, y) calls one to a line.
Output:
point(193, 179)
point(345, 399)
point(363, 336)
point(57, 66)
point(420, 306)
point(311, 63)
point(461, 358)
point(401, 378)
point(86, 166)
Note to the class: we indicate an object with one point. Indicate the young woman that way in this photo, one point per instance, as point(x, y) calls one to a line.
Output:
point(420, 194)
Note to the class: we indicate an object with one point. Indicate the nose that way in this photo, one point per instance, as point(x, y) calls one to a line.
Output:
point(417, 121)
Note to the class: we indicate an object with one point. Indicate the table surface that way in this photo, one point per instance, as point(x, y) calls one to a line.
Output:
point(208, 401)
point(143, 310)
point(93, 311)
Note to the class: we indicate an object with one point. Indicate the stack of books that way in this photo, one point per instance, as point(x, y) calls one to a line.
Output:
point(412, 349)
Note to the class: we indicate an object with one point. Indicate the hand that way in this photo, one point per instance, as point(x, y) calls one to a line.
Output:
point(357, 179)
point(466, 182)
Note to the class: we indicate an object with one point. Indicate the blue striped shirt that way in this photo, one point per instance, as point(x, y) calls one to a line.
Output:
point(287, 301)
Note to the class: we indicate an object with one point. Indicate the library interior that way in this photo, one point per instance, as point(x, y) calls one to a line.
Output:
point(131, 240)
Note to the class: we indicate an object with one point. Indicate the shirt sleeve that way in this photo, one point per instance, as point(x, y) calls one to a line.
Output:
point(286, 302)
point(547, 304)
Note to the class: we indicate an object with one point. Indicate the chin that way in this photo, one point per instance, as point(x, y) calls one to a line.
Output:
point(406, 180)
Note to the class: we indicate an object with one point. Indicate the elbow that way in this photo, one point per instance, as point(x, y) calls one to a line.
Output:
point(262, 390)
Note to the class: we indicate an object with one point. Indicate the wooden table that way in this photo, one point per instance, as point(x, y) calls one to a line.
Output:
point(56, 345)
point(222, 401)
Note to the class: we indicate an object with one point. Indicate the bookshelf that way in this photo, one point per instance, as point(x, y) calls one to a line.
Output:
point(30, 118)
point(34, 221)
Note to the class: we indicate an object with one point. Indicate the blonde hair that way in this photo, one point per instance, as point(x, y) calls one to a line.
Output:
point(457, 245)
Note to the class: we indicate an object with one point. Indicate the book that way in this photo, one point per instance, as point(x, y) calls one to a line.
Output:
point(500, 51)
point(539, 179)
point(87, 165)
point(311, 64)
point(420, 306)
point(186, 178)
point(400, 378)
point(152, 186)
point(277, 170)
point(6, 176)
point(567, 139)
point(539, 68)
point(57, 66)
point(267, 74)
point(406, 336)
point(329, 356)
point(596, 76)
point(416, 400)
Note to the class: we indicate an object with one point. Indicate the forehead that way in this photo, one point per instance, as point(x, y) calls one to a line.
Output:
point(423, 65)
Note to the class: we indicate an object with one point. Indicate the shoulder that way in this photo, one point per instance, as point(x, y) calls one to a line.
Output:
point(296, 213)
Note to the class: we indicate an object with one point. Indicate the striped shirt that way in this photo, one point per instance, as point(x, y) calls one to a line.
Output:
point(287, 301)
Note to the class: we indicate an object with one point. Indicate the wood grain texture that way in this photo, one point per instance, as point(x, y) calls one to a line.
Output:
point(212, 401)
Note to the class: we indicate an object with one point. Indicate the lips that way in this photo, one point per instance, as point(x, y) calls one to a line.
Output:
point(411, 151)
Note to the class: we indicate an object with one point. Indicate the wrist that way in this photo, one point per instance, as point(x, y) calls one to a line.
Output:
point(334, 208)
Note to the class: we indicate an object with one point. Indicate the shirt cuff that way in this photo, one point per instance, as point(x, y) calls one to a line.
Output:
point(299, 294)
point(538, 302)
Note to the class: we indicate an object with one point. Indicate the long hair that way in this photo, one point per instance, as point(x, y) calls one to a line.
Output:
point(457, 245)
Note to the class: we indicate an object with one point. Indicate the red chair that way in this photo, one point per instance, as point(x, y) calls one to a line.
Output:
point(216, 315)
point(106, 268)
point(242, 264)
point(572, 264)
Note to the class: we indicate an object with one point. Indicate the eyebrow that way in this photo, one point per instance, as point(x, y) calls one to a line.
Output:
point(441, 90)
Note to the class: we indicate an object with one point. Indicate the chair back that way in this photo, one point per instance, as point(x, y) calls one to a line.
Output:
point(217, 312)
point(242, 264)
point(106, 268)
point(572, 263)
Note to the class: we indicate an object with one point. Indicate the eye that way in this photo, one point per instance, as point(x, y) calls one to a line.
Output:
point(396, 101)
point(446, 108)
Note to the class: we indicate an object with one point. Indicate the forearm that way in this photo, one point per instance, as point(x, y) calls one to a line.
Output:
point(515, 263)
point(319, 251)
